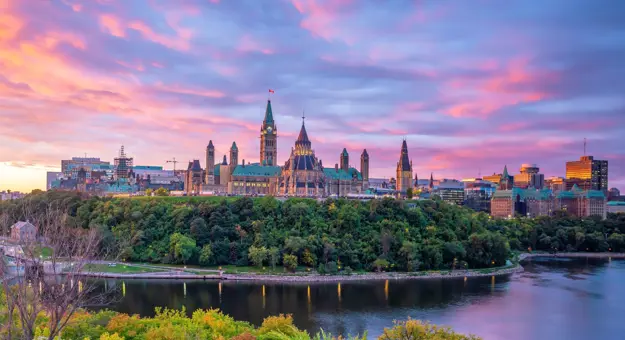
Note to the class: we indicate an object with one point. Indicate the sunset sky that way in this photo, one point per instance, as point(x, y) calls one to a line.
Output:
point(472, 85)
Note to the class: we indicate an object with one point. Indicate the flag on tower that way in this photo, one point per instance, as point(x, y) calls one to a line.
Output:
point(271, 91)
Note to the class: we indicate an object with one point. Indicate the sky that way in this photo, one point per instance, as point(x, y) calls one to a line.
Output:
point(471, 85)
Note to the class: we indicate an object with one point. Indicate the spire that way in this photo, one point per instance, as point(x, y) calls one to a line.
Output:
point(225, 161)
point(210, 144)
point(268, 114)
point(345, 152)
point(234, 146)
point(404, 161)
point(431, 180)
point(505, 172)
point(364, 153)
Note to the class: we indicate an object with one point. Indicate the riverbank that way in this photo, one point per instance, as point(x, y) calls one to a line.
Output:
point(525, 256)
point(313, 277)
point(208, 274)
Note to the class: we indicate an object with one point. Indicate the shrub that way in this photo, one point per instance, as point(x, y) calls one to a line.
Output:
point(415, 329)
point(290, 262)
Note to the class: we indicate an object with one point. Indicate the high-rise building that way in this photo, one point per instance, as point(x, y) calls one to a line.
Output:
point(555, 184)
point(404, 170)
point(587, 173)
point(210, 164)
point(450, 190)
point(268, 139)
point(478, 193)
point(529, 177)
point(70, 167)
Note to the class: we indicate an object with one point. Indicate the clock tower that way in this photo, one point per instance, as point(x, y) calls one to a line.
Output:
point(268, 139)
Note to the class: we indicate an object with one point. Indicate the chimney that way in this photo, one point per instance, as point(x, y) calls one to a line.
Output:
point(244, 163)
point(336, 167)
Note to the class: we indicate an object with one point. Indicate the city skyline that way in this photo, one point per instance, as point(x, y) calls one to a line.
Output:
point(508, 84)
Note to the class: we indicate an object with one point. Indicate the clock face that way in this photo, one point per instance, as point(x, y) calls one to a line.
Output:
point(269, 129)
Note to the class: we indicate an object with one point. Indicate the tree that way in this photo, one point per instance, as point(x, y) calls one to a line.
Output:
point(380, 264)
point(290, 262)
point(60, 250)
point(199, 231)
point(181, 247)
point(409, 193)
point(274, 257)
point(206, 255)
point(161, 192)
point(257, 255)
point(149, 191)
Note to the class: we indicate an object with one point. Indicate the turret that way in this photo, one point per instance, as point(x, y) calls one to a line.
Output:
point(344, 160)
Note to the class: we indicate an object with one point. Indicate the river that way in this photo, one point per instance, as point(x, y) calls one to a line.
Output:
point(553, 299)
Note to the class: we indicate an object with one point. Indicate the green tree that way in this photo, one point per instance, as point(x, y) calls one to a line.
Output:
point(149, 191)
point(380, 264)
point(290, 262)
point(181, 247)
point(206, 255)
point(257, 255)
point(274, 257)
point(409, 193)
point(161, 192)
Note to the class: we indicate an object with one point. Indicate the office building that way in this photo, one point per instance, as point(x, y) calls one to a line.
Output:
point(450, 190)
point(555, 184)
point(478, 193)
point(529, 177)
point(587, 173)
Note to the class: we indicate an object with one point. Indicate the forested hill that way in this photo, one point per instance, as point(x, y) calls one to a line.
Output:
point(331, 235)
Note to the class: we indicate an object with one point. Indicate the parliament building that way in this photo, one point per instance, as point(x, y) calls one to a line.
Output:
point(303, 174)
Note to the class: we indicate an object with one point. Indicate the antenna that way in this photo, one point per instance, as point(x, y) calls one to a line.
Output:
point(303, 116)
point(584, 146)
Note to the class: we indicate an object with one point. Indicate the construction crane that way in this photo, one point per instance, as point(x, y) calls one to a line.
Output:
point(173, 161)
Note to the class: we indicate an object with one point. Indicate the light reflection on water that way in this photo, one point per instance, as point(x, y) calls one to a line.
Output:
point(552, 299)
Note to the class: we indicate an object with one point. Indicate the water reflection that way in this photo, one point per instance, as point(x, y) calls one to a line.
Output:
point(572, 299)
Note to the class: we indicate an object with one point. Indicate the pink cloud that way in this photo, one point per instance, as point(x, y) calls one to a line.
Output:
point(322, 18)
point(113, 25)
point(514, 83)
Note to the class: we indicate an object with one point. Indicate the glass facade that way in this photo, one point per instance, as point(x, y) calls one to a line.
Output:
point(587, 174)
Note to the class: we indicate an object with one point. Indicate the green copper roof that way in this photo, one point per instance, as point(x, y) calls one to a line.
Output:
point(217, 167)
point(234, 146)
point(594, 194)
point(268, 114)
point(345, 152)
point(257, 170)
point(505, 172)
point(342, 175)
point(566, 194)
point(616, 203)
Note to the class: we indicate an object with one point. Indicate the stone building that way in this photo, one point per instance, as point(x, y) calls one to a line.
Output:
point(303, 173)
point(404, 170)
point(210, 164)
point(582, 203)
point(268, 139)
point(193, 178)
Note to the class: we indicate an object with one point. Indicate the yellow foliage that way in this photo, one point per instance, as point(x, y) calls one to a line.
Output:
point(415, 329)
point(114, 336)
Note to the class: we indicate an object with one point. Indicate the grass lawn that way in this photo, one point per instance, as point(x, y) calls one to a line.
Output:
point(119, 268)
point(43, 251)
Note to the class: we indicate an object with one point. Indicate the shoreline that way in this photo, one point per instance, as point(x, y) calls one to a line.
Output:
point(525, 256)
point(287, 278)
point(314, 277)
